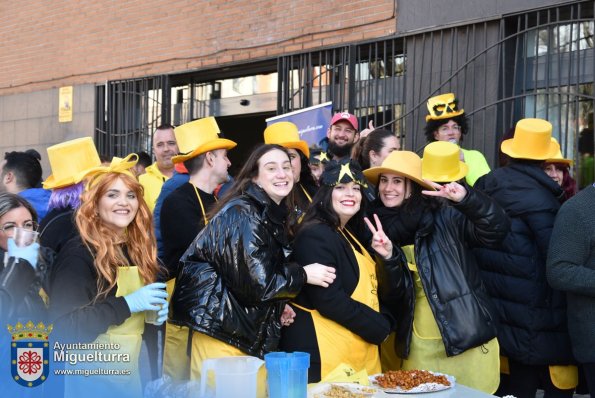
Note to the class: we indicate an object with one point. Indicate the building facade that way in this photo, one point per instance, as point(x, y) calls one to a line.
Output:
point(134, 65)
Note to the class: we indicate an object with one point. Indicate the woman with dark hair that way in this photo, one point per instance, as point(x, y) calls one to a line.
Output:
point(345, 322)
point(20, 276)
point(102, 281)
point(22, 270)
point(446, 122)
point(286, 135)
point(373, 148)
point(446, 320)
point(235, 279)
point(558, 168)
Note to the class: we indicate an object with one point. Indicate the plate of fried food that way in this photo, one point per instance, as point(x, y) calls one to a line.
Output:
point(341, 390)
point(411, 381)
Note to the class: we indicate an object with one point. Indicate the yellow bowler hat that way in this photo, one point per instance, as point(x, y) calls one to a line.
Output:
point(444, 106)
point(287, 135)
point(532, 140)
point(441, 163)
point(403, 163)
point(559, 158)
point(197, 137)
point(68, 160)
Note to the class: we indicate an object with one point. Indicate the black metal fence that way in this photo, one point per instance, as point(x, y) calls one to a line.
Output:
point(128, 112)
point(534, 64)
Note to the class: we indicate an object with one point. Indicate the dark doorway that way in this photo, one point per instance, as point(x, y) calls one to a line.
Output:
point(247, 131)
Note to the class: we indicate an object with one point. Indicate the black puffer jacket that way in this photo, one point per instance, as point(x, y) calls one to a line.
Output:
point(234, 278)
point(532, 314)
point(20, 286)
point(449, 273)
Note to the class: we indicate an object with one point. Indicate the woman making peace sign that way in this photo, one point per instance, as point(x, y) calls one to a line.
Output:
point(446, 320)
point(345, 322)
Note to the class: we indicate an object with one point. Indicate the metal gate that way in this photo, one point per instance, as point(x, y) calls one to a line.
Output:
point(535, 64)
point(128, 113)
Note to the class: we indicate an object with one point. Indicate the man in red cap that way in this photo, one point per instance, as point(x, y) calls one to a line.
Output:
point(342, 135)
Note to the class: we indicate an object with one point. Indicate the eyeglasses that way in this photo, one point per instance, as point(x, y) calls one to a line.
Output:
point(9, 227)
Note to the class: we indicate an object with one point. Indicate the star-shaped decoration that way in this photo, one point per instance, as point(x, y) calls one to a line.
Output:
point(345, 171)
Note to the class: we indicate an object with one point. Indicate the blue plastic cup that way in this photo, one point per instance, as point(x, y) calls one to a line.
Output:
point(287, 374)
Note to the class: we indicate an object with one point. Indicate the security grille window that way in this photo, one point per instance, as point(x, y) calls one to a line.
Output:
point(532, 64)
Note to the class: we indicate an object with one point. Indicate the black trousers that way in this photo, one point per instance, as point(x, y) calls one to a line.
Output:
point(525, 380)
point(589, 371)
point(152, 338)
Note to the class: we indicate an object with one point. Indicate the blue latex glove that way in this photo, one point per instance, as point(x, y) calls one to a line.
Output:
point(149, 297)
point(162, 314)
point(29, 253)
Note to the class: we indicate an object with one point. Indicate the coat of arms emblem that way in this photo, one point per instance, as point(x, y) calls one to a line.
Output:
point(29, 353)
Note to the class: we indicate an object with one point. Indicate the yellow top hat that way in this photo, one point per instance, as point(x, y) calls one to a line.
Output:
point(404, 163)
point(441, 162)
point(444, 106)
point(559, 158)
point(287, 135)
point(68, 160)
point(197, 137)
point(532, 140)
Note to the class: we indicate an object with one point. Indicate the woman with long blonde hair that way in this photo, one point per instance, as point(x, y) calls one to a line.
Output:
point(103, 282)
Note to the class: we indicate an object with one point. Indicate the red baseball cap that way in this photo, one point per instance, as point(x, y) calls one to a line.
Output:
point(345, 116)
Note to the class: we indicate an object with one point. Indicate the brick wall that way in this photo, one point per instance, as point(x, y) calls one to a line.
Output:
point(49, 44)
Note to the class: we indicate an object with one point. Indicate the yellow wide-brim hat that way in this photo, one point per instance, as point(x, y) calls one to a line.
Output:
point(441, 162)
point(532, 140)
point(197, 137)
point(69, 160)
point(444, 106)
point(286, 134)
point(403, 163)
point(559, 158)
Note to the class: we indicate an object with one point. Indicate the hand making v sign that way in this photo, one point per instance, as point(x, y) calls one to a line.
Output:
point(452, 191)
point(380, 242)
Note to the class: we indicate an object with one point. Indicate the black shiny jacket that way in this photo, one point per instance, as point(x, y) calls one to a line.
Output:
point(234, 278)
point(20, 286)
point(450, 277)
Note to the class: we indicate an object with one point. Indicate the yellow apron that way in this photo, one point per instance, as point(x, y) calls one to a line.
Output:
point(336, 343)
point(205, 347)
point(564, 377)
point(389, 360)
point(427, 348)
point(124, 339)
point(176, 362)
